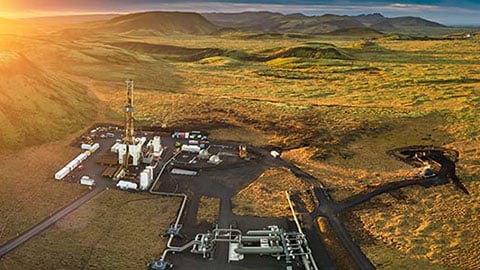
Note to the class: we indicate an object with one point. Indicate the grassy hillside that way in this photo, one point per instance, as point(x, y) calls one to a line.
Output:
point(37, 106)
point(109, 232)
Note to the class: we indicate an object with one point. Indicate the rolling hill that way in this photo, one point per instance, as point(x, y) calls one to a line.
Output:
point(158, 23)
point(36, 106)
point(299, 23)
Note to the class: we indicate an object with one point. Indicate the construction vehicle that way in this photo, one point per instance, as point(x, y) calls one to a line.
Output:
point(242, 151)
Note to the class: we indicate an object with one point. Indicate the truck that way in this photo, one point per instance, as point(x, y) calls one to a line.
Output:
point(126, 185)
point(87, 181)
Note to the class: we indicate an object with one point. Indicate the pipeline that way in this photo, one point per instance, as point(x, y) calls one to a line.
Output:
point(306, 259)
point(184, 197)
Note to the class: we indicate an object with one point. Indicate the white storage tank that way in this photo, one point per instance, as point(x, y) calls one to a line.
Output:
point(214, 159)
point(149, 170)
point(204, 154)
point(62, 173)
point(157, 145)
point(144, 180)
point(71, 165)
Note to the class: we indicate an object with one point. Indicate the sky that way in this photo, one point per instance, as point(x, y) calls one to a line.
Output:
point(460, 12)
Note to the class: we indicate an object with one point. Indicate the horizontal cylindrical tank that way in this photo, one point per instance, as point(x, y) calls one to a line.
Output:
point(72, 165)
point(62, 173)
point(262, 232)
point(258, 238)
point(259, 250)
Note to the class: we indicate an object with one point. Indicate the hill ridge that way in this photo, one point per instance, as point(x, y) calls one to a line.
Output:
point(162, 22)
point(264, 21)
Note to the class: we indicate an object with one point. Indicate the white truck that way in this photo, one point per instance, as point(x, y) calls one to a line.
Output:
point(126, 185)
point(87, 181)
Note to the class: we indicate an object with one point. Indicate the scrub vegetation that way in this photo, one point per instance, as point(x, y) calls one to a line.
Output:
point(266, 195)
point(113, 231)
point(208, 209)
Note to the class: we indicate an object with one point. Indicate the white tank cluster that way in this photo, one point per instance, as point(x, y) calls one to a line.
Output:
point(146, 177)
point(75, 162)
point(134, 150)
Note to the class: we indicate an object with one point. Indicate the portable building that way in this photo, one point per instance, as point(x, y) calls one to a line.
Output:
point(191, 148)
point(87, 181)
point(125, 185)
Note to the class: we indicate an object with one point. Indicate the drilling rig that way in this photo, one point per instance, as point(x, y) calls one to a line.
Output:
point(130, 149)
point(128, 110)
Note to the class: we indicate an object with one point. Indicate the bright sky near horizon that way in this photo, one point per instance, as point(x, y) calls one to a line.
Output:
point(460, 12)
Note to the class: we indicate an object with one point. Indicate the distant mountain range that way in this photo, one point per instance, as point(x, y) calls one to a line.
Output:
point(165, 23)
point(299, 23)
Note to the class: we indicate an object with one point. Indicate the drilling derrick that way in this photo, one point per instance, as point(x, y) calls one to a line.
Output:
point(129, 138)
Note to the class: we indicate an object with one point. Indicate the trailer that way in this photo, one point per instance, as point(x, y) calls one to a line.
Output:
point(72, 165)
point(126, 185)
point(87, 181)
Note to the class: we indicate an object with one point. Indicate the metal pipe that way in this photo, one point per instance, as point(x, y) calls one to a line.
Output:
point(184, 197)
point(293, 213)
